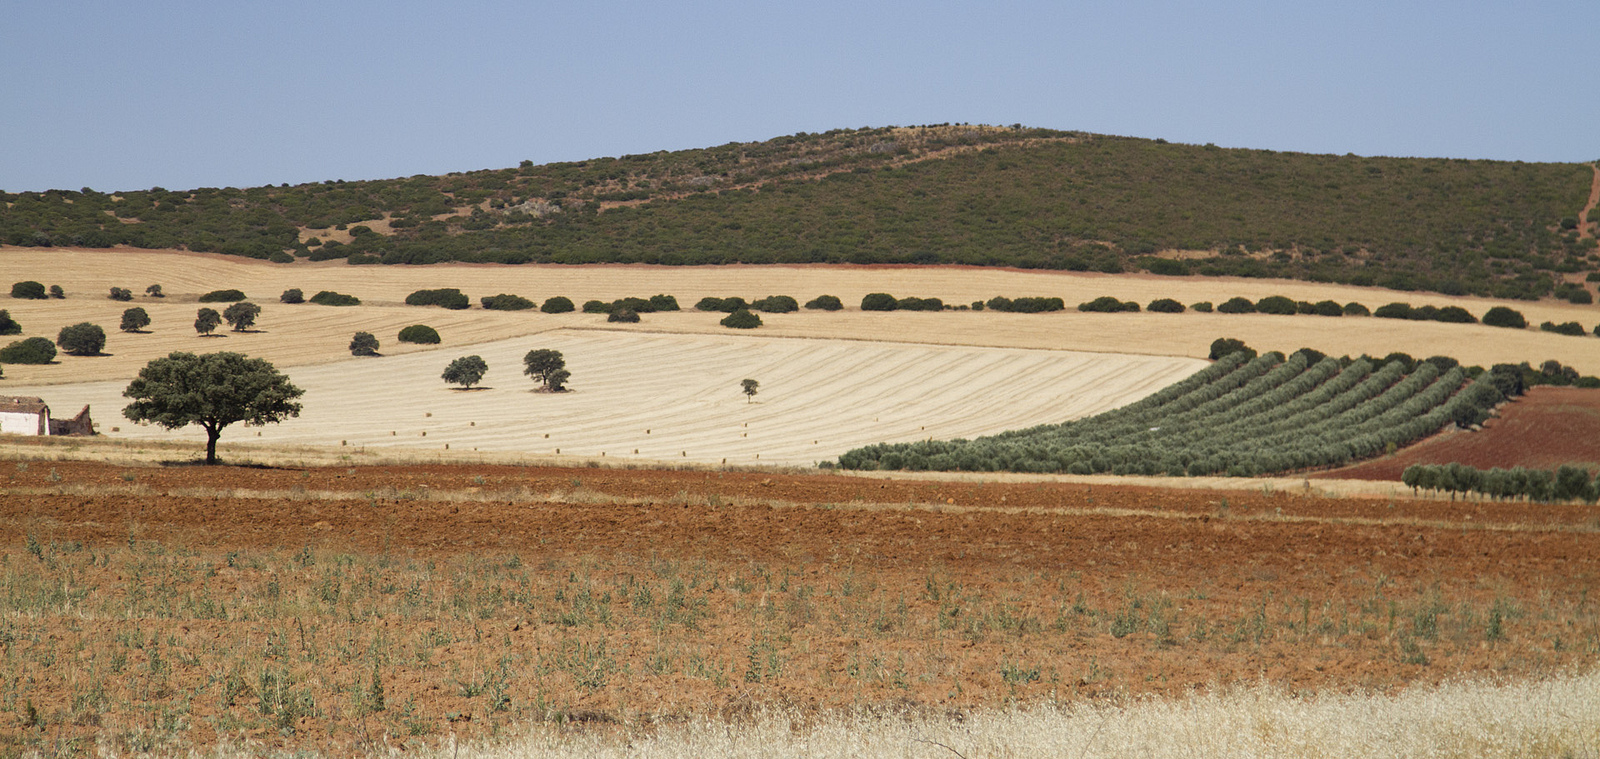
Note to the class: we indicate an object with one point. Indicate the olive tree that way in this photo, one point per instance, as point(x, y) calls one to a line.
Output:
point(465, 371)
point(212, 390)
point(548, 367)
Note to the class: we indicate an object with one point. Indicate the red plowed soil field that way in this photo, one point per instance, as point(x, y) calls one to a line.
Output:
point(1544, 429)
point(340, 608)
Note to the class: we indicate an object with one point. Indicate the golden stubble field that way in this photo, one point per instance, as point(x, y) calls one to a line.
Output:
point(305, 334)
point(666, 389)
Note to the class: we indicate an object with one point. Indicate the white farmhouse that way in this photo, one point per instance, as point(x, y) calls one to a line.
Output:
point(21, 415)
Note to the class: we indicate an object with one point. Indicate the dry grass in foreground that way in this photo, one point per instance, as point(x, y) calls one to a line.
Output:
point(350, 610)
point(1558, 717)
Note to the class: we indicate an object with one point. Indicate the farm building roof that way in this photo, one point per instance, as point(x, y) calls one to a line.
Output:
point(23, 404)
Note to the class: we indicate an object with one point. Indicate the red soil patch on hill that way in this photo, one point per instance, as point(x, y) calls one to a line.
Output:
point(1544, 429)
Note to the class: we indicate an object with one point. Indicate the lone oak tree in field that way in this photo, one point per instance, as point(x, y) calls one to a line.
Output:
point(82, 339)
point(242, 315)
point(547, 367)
point(465, 371)
point(750, 388)
point(364, 344)
point(135, 319)
point(206, 320)
point(212, 390)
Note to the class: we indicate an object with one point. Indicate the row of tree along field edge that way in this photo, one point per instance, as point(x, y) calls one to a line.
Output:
point(1244, 415)
point(945, 194)
point(1568, 482)
point(453, 298)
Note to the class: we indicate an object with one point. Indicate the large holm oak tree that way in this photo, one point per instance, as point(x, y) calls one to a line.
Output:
point(212, 390)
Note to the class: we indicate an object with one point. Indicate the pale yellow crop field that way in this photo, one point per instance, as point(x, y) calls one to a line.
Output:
point(662, 397)
point(858, 377)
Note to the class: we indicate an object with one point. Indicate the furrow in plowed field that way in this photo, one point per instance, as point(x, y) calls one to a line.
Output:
point(677, 397)
point(512, 594)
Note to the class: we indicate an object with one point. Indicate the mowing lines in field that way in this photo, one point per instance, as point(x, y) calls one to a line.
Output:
point(677, 397)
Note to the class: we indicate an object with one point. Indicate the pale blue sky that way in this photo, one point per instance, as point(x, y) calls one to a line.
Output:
point(129, 95)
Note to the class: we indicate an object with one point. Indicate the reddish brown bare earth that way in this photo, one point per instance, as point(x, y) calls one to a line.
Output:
point(196, 604)
point(1544, 429)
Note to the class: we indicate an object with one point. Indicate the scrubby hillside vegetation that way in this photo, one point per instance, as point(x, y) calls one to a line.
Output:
point(958, 194)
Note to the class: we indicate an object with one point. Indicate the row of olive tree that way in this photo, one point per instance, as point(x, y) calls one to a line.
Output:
point(1244, 415)
point(1568, 482)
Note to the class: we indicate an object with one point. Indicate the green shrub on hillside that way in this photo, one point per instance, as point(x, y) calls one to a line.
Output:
point(1573, 329)
point(596, 307)
point(1108, 304)
point(1227, 346)
point(8, 325)
point(1237, 305)
point(1393, 311)
point(776, 304)
point(624, 315)
point(1356, 309)
point(724, 305)
point(1278, 305)
point(560, 304)
point(420, 334)
point(1165, 306)
point(331, 298)
point(1203, 307)
point(29, 290)
point(825, 303)
point(1025, 305)
point(34, 350)
point(919, 304)
point(741, 319)
point(1327, 308)
point(444, 297)
point(222, 296)
point(879, 302)
point(292, 296)
point(1500, 316)
point(505, 302)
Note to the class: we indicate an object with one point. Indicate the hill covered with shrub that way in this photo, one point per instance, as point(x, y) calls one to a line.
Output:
point(951, 194)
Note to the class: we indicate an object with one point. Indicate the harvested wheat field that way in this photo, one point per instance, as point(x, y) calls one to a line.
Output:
point(304, 334)
point(666, 397)
point(345, 609)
